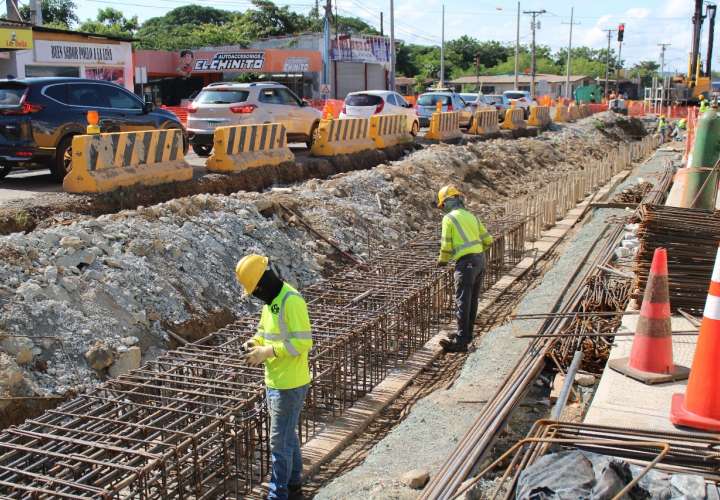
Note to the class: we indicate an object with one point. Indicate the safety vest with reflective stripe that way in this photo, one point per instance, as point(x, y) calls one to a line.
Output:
point(285, 325)
point(462, 234)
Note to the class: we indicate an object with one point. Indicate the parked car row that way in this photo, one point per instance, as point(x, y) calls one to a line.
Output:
point(40, 116)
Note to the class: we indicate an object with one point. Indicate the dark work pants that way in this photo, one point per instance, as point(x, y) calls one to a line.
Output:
point(469, 271)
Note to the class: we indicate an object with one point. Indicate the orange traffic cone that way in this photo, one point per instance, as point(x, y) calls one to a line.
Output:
point(699, 407)
point(651, 357)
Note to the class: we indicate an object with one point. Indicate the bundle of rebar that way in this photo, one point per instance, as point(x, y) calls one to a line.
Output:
point(193, 423)
point(670, 452)
point(691, 237)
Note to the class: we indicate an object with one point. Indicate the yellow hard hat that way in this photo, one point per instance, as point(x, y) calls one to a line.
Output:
point(702, 97)
point(447, 192)
point(662, 117)
point(249, 270)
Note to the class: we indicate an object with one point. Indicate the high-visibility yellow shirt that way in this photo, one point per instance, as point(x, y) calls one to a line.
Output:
point(462, 234)
point(703, 106)
point(285, 325)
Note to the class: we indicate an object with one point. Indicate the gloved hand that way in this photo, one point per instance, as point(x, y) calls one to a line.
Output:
point(441, 264)
point(259, 354)
point(248, 345)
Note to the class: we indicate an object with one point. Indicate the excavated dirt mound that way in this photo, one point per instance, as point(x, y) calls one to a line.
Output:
point(80, 294)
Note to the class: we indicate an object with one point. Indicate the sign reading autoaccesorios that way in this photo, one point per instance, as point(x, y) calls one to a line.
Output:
point(73, 52)
point(16, 38)
point(229, 61)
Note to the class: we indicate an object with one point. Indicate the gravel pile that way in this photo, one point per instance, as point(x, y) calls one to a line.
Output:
point(83, 301)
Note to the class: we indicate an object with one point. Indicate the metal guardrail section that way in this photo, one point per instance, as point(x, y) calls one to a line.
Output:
point(193, 422)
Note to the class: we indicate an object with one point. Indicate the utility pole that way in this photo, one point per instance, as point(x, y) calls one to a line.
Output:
point(663, 47)
point(477, 72)
point(534, 25)
point(381, 24)
point(36, 13)
point(517, 48)
point(12, 12)
point(568, 92)
point(326, 46)
point(442, 50)
point(392, 45)
point(607, 62)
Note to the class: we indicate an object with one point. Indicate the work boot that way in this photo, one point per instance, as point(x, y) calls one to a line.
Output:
point(450, 346)
point(295, 492)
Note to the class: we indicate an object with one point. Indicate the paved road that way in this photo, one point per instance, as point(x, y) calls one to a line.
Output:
point(25, 184)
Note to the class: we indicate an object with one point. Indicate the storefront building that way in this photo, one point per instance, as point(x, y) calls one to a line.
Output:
point(54, 52)
point(175, 77)
point(358, 62)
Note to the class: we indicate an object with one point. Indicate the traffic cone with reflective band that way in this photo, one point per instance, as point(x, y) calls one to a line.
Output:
point(699, 407)
point(651, 357)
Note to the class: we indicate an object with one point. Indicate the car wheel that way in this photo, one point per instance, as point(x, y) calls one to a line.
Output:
point(415, 129)
point(311, 137)
point(202, 149)
point(4, 170)
point(63, 159)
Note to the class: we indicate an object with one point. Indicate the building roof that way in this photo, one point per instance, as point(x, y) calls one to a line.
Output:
point(46, 29)
point(490, 79)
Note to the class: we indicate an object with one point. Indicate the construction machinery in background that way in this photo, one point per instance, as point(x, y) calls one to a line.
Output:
point(687, 89)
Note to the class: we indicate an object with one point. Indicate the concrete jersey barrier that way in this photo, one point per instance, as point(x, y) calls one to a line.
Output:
point(539, 116)
point(444, 126)
point(485, 121)
point(105, 162)
point(341, 137)
point(239, 147)
point(389, 130)
point(514, 119)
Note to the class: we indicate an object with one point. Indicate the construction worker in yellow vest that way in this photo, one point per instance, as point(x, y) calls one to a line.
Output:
point(703, 104)
point(464, 239)
point(282, 344)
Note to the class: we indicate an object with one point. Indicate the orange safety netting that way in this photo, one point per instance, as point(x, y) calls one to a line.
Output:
point(336, 105)
point(178, 111)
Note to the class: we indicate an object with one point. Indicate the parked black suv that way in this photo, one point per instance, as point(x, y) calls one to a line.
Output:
point(39, 117)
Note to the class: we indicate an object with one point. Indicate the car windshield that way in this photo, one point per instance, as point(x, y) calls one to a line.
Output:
point(363, 100)
point(469, 97)
point(11, 95)
point(514, 95)
point(219, 96)
point(432, 99)
point(493, 99)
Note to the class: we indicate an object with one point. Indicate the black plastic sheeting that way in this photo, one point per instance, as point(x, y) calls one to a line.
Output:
point(579, 475)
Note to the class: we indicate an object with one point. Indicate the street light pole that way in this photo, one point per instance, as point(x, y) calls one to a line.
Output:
point(442, 50)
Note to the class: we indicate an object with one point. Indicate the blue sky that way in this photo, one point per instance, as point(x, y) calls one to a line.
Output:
point(647, 22)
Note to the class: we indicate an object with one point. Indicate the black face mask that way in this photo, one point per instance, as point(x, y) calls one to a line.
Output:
point(268, 287)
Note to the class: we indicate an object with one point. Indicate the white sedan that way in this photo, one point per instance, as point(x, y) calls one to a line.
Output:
point(380, 102)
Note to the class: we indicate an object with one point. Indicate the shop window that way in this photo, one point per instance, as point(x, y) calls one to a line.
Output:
point(40, 71)
point(115, 75)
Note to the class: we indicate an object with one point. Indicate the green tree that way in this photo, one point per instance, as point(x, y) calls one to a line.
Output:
point(267, 19)
point(55, 13)
point(111, 21)
point(645, 70)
